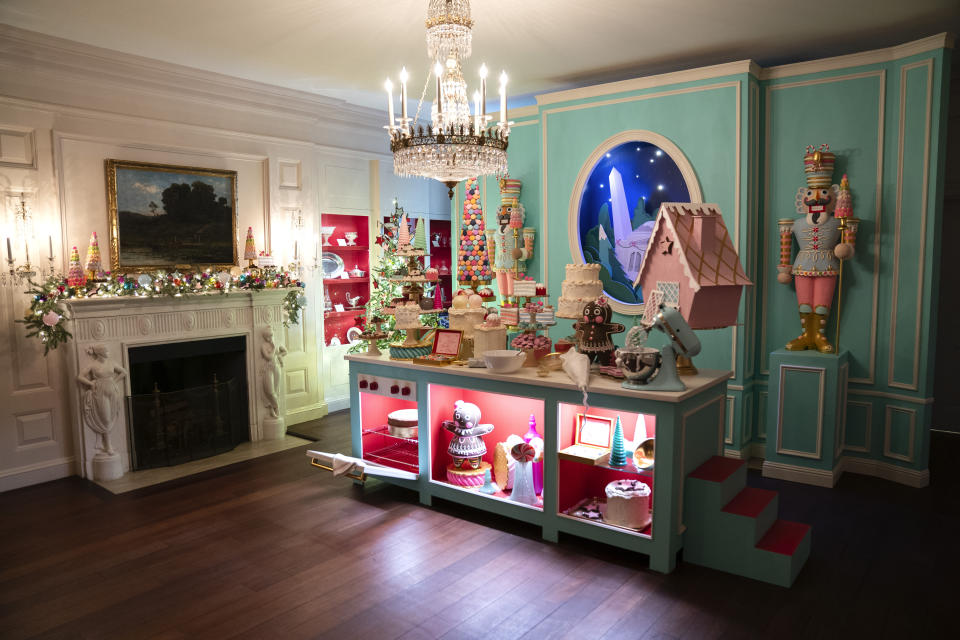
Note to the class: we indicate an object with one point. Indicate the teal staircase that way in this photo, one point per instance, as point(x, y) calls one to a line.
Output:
point(734, 528)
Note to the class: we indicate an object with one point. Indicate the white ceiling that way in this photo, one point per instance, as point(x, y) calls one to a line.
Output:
point(346, 48)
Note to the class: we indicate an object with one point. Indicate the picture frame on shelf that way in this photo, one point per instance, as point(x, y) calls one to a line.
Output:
point(446, 346)
point(164, 216)
point(593, 437)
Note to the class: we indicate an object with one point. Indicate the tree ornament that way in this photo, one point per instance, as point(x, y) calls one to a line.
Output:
point(94, 267)
point(75, 275)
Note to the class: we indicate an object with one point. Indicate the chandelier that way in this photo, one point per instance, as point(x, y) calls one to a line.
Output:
point(455, 145)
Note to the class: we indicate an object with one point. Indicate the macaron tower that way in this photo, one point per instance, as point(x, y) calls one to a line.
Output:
point(473, 262)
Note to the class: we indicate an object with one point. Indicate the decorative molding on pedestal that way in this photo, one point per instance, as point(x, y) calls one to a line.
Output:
point(113, 325)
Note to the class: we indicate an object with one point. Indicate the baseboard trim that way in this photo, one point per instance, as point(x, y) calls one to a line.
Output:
point(885, 470)
point(751, 450)
point(36, 473)
point(805, 475)
point(338, 404)
point(306, 414)
point(736, 454)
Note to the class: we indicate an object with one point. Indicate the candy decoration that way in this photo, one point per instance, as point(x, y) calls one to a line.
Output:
point(403, 238)
point(473, 261)
point(75, 274)
point(250, 250)
point(437, 296)
point(523, 490)
point(94, 268)
point(618, 455)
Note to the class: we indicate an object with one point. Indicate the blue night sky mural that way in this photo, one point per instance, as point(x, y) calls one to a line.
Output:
point(617, 210)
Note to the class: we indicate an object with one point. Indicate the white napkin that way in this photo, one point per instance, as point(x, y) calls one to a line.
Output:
point(342, 465)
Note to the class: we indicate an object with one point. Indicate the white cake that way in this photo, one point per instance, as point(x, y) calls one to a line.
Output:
point(546, 316)
point(510, 315)
point(408, 316)
point(265, 260)
point(488, 339)
point(524, 288)
point(628, 504)
point(466, 319)
point(581, 286)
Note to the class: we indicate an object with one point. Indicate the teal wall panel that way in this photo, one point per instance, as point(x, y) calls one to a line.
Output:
point(800, 420)
point(846, 112)
point(859, 423)
point(899, 433)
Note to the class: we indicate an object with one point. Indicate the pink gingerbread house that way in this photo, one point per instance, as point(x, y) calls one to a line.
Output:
point(690, 259)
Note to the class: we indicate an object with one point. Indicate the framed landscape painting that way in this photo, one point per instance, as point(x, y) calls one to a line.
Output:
point(165, 216)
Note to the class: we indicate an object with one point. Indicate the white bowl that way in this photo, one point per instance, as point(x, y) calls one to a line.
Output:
point(504, 360)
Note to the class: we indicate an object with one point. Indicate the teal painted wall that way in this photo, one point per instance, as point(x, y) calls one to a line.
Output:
point(745, 139)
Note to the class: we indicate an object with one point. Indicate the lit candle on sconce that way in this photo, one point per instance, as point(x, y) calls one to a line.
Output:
point(403, 97)
point(483, 90)
point(503, 98)
point(476, 111)
point(50, 248)
point(438, 71)
point(9, 251)
point(389, 87)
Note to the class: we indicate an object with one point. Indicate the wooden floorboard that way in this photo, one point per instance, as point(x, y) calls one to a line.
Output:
point(272, 548)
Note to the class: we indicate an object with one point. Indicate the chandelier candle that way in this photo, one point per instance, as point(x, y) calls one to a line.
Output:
point(503, 99)
point(438, 71)
point(389, 87)
point(403, 98)
point(483, 92)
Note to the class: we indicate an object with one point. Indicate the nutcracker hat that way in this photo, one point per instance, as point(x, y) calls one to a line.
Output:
point(510, 192)
point(818, 165)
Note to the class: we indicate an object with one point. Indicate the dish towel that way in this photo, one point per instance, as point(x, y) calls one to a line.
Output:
point(342, 465)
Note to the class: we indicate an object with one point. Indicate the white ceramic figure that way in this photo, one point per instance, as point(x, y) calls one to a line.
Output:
point(102, 395)
point(271, 356)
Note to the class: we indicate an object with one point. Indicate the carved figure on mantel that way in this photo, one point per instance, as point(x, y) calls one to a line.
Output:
point(271, 357)
point(102, 393)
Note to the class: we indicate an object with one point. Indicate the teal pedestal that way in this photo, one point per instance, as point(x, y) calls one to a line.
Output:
point(805, 415)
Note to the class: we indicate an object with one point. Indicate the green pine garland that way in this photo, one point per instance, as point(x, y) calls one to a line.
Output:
point(45, 318)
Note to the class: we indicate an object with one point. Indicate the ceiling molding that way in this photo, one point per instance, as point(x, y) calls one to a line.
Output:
point(889, 54)
point(635, 84)
point(28, 52)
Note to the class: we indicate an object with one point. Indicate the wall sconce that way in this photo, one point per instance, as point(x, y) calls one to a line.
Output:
point(20, 204)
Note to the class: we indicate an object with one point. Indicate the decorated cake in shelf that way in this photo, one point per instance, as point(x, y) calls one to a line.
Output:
point(628, 504)
point(403, 423)
point(510, 314)
point(525, 288)
point(489, 336)
point(582, 285)
point(432, 274)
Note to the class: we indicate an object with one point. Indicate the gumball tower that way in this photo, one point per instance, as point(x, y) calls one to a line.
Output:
point(94, 266)
point(250, 250)
point(75, 274)
point(473, 262)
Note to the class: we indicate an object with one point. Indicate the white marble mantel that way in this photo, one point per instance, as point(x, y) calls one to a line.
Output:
point(123, 322)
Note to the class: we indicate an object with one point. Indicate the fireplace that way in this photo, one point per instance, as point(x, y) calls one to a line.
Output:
point(188, 400)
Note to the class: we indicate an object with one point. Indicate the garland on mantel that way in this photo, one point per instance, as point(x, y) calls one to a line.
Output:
point(45, 318)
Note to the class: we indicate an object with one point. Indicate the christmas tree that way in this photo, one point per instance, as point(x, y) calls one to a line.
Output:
point(420, 236)
point(618, 455)
point(473, 262)
point(250, 251)
point(384, 290)
point(75, 275)
point(94, 268)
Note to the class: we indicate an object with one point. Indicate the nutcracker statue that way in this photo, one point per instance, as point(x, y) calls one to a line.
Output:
point(511, 242)
point(825, 234)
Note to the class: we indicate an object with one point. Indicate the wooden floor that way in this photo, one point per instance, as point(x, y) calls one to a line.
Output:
point(270, 548)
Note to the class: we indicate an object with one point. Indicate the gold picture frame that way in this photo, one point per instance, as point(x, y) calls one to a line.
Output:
point(187, 230)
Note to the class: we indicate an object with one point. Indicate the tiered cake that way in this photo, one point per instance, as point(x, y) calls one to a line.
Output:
point(582, 285)
point(628, 504)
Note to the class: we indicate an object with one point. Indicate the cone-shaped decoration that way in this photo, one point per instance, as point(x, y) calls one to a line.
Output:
point(473, 261)
point(420, 236)
point(403, 238)
point(75, 275)
point(94, 267)
point(250, 250)
point(437, 296)
point(618, 455)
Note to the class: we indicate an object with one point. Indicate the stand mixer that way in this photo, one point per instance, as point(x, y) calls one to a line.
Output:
point(645, 367)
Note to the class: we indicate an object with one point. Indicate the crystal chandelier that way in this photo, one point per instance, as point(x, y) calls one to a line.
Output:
point(455, 145)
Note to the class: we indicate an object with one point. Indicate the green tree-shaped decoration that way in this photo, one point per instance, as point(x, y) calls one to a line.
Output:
point(618, 455)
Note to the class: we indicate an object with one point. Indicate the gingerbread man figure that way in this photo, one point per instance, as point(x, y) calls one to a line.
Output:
point(594, 331)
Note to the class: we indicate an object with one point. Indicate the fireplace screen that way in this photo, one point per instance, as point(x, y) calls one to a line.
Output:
point(188, 401)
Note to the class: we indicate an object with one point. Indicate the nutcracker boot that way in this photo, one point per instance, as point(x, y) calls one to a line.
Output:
point(808, 323)
point(820, 337)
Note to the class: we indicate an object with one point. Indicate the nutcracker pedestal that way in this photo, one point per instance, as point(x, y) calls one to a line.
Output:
point(806, 409)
